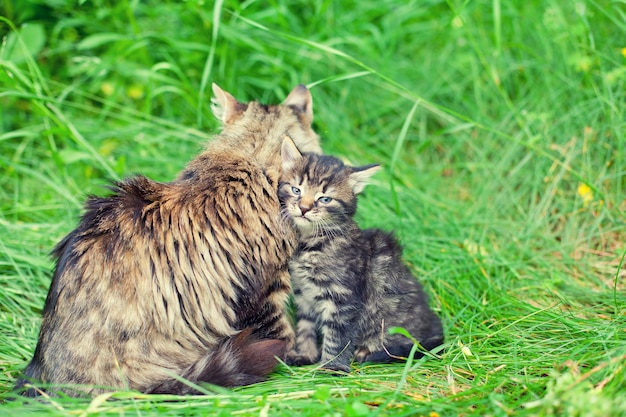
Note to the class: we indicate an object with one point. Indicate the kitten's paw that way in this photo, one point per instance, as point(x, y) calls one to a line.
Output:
point(336, 368)
point(361, 355)
point(298, 359)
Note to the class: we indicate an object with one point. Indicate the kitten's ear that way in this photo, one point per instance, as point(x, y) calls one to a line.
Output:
point(360, 177)
point(289, 153)
point(224, 106)
point(301, 100)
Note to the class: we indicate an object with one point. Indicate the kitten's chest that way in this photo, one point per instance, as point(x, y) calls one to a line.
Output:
point(321, 269)
point(312, 259)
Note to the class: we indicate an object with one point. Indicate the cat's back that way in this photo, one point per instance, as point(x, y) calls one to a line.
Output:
point(109, 227)
point(154, 262)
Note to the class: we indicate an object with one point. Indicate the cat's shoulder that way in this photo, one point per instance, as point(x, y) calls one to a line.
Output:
point(126, 198)
point(136, 190)
point(222, 168)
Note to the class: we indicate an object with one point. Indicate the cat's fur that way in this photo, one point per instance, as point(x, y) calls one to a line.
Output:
point(350, 285)
point(187, 278)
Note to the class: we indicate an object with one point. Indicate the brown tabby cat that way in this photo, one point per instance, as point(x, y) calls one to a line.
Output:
point(350, 285)
point(182, 279)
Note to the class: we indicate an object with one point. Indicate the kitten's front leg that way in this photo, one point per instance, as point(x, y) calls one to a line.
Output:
point(306, 351)
point(338, 345)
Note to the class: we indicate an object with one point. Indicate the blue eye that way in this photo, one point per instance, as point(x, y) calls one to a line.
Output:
point(324, 200)
point(295, 190)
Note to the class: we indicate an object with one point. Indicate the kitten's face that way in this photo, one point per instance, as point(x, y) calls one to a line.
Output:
point(318, 191)
point(316, 195)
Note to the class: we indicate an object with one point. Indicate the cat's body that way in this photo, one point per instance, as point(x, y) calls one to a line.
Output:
point(187, 278)
point(350, 285)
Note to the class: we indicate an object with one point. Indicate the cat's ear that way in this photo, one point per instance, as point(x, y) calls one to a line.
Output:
point(301, 100)
point(360, 177)
point(289, 153)
point(224, 106)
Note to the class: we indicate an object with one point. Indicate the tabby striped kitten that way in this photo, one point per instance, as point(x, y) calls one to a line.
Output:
point(349, 285)
point(182, 279)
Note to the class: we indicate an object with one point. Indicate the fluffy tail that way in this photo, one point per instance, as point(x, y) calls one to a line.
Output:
point(240, 360)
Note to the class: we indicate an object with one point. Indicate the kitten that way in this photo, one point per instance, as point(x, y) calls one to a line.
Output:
point(182, 279)
point(350, 285)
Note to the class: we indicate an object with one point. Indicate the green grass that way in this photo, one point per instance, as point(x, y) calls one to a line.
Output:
point(500, 126)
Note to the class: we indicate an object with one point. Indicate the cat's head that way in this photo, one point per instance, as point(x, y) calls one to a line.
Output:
point(270, 122)
point(319, 192)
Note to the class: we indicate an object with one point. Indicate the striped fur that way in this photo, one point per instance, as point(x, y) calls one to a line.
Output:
point(350, 285)
point(185, 278)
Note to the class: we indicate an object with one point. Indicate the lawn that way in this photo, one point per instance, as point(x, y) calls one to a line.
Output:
point(500, 126)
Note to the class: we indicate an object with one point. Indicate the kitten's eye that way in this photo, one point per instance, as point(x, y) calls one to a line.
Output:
point(295, 190)
point(324, 200)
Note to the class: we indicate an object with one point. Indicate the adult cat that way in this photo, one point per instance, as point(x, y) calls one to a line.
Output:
point(181, 279)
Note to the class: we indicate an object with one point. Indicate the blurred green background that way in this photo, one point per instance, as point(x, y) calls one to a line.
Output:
point(500, 127)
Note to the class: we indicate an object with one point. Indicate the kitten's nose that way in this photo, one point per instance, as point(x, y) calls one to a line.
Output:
point(305, 209)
